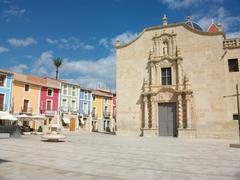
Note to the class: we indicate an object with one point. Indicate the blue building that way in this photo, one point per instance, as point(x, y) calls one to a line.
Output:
point(85, 98)
point(5, 90)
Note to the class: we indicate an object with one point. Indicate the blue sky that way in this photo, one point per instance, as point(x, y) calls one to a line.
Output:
point(82, 32)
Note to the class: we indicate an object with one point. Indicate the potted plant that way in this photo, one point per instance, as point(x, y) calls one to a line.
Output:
point(40, 130)
point(27, 131)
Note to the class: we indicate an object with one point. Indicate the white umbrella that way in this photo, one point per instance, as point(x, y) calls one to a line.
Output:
point(8, 117)
point(24, 117)
point(39, 117)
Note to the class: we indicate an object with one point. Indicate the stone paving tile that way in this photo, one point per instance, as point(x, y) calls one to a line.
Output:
point(100, 156)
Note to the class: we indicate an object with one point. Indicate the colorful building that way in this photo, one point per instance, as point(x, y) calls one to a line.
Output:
point(49, 102)
point(69, 105)
point(26, 94)
point(85, 99)
point(102, 110)
point(5, 94)
point(5, 90)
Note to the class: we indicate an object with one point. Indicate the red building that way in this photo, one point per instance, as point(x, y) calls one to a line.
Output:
point(49, 101)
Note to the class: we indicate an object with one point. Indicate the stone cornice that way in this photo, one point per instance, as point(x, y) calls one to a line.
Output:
point(170, 26)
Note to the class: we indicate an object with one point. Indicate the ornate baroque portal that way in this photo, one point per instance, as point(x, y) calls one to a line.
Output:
point(165, 83)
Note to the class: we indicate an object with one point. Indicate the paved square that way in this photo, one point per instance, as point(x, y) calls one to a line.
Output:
point(101, 156)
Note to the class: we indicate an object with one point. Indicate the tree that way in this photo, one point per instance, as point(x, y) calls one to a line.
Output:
point(57, 63)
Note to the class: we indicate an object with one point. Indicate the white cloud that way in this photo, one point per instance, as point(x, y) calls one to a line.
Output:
point(19, 68)
point(70, 43)
point(220, 14)
point(92, 72)
point(124, 38)
point(21, 42)
point(233, 34)
point(3, 49)
point(51, 41)
point(179, 4)
point(43, 66)
point(13, 12)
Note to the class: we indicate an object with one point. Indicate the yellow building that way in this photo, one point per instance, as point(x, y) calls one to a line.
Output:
point(102, 110)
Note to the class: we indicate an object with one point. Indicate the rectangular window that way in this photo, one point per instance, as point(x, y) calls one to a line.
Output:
point(94, 97)
point(65, 89)
point(49, 105)
point(85, 108)
point(73, 104)
point(166, 76)
point(73, 91)
point(105, 100)
point(2, 79)
point(233, 65)
point(1, 102)
point(27, 88)
point(85, 95)
point(50, 92)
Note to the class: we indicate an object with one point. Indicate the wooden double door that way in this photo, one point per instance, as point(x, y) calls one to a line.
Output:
point(167, 119)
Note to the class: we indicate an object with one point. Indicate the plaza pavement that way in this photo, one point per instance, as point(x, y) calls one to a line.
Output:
point(101, 156)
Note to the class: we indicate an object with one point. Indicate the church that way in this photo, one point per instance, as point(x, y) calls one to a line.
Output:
point(176, 80)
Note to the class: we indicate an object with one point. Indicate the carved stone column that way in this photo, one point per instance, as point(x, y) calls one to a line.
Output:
point(180, 112)
point(153, 111)
point(188, 104)
point(145, 107)
point(179, 75)
point(158, 75)
point(149, 113)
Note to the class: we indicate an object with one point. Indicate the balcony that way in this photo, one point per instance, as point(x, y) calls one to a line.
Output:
point(64, 109)
point(231, 43)
point(73, 110)
point(3, 107)
point(106, 115)
point(26, 110)
point(50, 113)
point(85, 114)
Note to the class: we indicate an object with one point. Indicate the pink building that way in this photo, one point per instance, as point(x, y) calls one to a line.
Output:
point(49, 100)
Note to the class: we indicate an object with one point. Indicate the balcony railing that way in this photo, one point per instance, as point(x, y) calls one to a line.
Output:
point(50, 112)
point(72, 110)
point(27, 110)
point(231, 43)
point(85, 114)
point(3, 107)
point(106, 115)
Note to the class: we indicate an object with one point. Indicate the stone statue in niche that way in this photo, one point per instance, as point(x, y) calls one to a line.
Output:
point(165, 48)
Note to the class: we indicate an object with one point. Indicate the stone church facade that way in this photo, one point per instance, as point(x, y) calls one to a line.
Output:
point(172, 79)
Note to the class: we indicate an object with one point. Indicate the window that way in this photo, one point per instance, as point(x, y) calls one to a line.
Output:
point(166, 76)
point(73, 91)
point(65, 89)
point(85, 95)
point(49, 105)
point(64, 102)
point(73, 104)
point(105, 100)
point(27, 88)
point(94, 98)
point(2, 79)
point(85, 108)
point(50, 92)
point(233, 65)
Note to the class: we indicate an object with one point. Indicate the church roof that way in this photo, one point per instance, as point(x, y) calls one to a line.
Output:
point(212, 28)
point(193, 24)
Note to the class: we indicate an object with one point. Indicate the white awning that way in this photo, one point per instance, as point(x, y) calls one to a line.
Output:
point(7, 116)
point(66, 120)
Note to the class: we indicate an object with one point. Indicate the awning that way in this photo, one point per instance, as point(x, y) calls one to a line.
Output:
point(66, 120)
point(24, 117)
point(38, 117)
point(7, 116)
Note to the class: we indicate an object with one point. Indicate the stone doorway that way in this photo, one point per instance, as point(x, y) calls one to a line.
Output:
point(167, 119)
